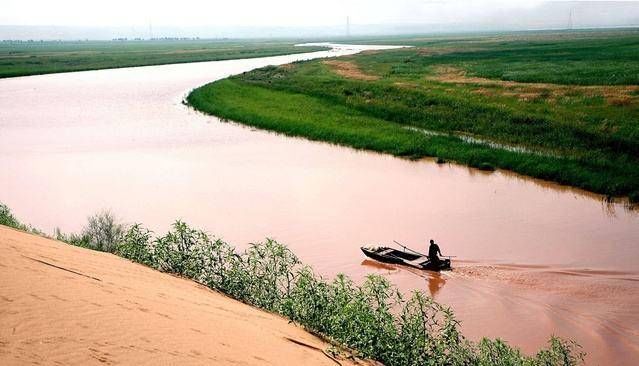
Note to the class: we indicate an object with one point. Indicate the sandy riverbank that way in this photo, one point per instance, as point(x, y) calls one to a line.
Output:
point(61, 304)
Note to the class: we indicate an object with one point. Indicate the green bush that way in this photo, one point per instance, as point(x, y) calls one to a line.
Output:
point(7, 218)
point(181, 251)
point(136, 244)
point(78, 240)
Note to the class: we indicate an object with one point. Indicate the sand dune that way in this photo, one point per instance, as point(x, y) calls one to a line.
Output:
point(61, 304)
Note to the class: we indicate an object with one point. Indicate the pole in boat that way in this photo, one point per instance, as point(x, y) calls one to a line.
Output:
point(422, 254)
point(405, 247)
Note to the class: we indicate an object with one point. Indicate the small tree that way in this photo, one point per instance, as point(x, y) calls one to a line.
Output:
point(103, 232)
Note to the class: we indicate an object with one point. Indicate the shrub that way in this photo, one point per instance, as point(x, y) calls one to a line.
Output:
point(136, 245)
point(271, 266)
point(78, 240)
point(560, 352)
point(102, 232)
point(181, 251)
point(223, 269)
point(7, 218)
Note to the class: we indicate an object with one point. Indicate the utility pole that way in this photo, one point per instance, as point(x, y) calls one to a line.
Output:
point(570, 18)
point(348, 26)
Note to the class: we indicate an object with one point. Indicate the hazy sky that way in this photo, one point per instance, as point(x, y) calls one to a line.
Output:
point(251, 12)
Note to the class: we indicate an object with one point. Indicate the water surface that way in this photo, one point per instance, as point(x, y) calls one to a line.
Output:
point(535, 258)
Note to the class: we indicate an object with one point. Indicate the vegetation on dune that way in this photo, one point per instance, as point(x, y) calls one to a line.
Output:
point(8, 219)
point(373, 318)
point(527, 105)
point(32, 58)
point(103, 232)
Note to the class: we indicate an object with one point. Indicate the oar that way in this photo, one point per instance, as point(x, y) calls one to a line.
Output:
point(405, 247)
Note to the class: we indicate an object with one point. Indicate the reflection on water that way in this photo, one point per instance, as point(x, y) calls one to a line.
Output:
point(609, 205)
point(379, 265)
point(73, 144)
point(435, 283)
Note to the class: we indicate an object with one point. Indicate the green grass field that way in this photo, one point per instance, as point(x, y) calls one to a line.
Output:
point(31, 58)
point(562, 106)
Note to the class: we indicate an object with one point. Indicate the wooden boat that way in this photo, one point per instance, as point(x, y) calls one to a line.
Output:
point(413, 259)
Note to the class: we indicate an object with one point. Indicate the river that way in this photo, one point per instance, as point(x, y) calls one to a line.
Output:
point(535, 258)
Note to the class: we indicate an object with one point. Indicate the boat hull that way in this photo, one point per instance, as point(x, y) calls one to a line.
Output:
point(393, 256)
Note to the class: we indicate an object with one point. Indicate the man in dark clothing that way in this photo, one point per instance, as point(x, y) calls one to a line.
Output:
point(433, 250)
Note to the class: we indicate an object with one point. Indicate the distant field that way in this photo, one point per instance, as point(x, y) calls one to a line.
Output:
point(594, 57)
point(562, 106)
point(31, 58)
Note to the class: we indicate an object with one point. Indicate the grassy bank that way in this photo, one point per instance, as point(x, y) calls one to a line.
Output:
point(558, 107)
point(373, 319)
point(32, 58)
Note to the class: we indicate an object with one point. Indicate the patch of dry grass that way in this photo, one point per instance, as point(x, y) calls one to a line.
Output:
point(348, 69)
point(615, 95)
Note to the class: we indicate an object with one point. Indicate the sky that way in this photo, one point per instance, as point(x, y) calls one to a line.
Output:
point(250, 12)
point(490, 14)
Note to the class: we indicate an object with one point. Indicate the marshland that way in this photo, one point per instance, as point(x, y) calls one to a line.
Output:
point(557, 106)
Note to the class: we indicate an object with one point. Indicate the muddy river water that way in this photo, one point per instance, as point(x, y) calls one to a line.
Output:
point(535, 258)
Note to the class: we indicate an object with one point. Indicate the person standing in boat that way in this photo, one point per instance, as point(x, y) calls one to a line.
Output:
point(433, 250)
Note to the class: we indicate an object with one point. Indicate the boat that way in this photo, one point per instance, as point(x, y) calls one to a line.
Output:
point(412, 258)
